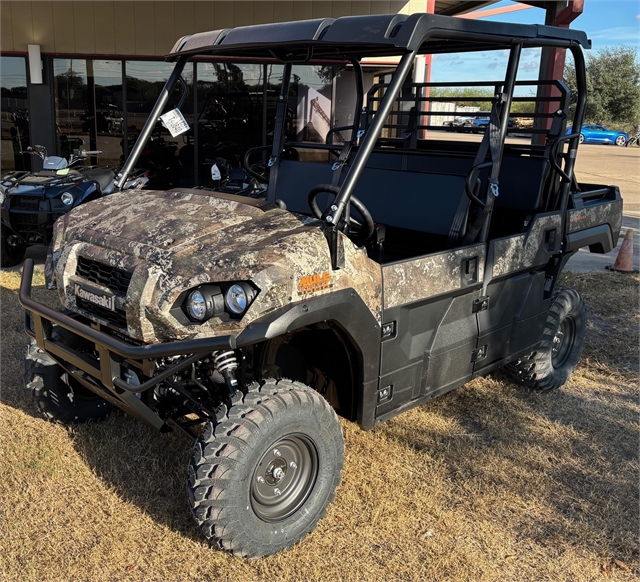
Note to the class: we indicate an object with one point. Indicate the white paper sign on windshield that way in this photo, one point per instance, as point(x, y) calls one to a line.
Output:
point(175, 122)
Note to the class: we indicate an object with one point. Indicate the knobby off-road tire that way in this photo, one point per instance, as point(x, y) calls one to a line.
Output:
point(10, 255)
point(553, 363)
point(58, 399)
point(263, 474)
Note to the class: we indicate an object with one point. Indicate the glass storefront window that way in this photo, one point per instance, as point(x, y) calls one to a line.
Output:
point(230, 113)
point(15, 114)
point(234, 106)
point(162, 156)
point(89, 114)
point(108, 122)
point(73, 112)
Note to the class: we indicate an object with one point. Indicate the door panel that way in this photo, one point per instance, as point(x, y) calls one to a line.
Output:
point(429, 327)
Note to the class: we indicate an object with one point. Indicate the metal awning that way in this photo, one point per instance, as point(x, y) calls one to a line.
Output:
point(455, 7)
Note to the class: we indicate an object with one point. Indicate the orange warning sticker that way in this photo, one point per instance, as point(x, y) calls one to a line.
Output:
point(313, 283)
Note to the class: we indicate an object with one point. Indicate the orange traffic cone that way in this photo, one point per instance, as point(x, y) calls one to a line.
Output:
point(624, 262)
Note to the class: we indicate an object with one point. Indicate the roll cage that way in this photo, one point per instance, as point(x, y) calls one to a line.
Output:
point(351, 39)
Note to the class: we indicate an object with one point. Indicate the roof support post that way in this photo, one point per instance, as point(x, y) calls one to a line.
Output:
point(370, 138)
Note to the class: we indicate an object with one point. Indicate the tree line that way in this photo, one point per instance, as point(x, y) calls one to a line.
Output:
point(613, 85)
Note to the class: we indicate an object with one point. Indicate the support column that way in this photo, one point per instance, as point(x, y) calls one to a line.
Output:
point(425, 61)
point(41, 112)
point(552, 60)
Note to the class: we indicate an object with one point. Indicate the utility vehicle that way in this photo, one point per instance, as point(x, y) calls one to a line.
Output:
point(30, 202)
point(392, 270)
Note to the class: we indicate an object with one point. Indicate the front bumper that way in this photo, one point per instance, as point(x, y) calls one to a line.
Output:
point(114, 354)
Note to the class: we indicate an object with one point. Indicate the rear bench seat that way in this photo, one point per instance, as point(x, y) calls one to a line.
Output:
point(420, 193)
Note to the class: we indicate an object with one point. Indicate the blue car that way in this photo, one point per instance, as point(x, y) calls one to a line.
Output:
point(596, 133)
point(479, 124)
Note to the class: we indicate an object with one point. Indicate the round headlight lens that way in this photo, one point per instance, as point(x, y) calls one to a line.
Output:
point(236, 299)
point(196, 305)
point(67, 198)
point(2, 197)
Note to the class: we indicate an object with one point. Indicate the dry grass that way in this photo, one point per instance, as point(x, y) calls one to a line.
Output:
point(490, 482)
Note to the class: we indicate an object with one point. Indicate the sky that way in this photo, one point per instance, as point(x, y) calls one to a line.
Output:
point(608, 23)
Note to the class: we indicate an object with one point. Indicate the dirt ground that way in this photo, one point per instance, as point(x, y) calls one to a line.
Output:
point(490, 482)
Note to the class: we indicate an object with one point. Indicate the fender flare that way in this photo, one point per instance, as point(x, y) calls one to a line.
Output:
point(344, 308)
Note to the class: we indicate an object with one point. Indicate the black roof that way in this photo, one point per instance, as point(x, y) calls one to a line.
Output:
point(372, 36)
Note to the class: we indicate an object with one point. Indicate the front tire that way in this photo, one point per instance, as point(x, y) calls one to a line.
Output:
point(581, 139)
point(553, 363)
point(263, 474)
point(59, 398)
point(11, 252)
point(621, 141)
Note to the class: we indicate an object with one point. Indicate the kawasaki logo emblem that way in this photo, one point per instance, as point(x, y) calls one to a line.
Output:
point(101, 299)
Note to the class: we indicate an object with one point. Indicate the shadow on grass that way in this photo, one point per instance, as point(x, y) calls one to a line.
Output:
point(566, 461)
point(143, 466)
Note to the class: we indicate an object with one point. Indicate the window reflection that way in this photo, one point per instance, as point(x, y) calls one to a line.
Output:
point(310, 102)
point(145, 80)
point(107, 125)
point(230, 113)
point(73, 116)
point(15, 114)
point(235, 107)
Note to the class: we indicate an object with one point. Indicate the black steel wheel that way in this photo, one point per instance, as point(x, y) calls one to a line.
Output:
point(263, 473)
point(58, 397)
point(553, 363)
point(12, 249)
point(563, 341)
point(284, 477)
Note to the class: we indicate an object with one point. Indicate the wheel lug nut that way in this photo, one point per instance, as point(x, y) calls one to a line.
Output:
point(293, 465)
point(276, 453)
point(260, 479)
point(277, 491)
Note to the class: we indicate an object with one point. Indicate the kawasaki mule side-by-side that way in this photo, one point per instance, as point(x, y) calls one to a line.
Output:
point(372, 276)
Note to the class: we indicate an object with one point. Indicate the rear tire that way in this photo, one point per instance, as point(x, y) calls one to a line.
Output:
point(58, 399)
point(10, 254)
point(581, 139)
point(263, 474)
point(553, 363)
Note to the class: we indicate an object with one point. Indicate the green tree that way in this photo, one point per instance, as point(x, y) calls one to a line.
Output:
point(461, 96)
point(613, 83)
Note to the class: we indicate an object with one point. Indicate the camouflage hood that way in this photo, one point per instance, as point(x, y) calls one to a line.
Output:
point(160, 226)
point(173, 241)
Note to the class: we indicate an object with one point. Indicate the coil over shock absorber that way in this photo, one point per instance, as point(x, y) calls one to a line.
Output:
point(225, 362)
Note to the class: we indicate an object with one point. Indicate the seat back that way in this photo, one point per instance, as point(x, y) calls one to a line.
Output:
point(396, 197)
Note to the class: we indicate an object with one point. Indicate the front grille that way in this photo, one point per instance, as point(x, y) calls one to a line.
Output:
point(117, 317)
point(117, 280)
point(26, 202)
point(20, 221)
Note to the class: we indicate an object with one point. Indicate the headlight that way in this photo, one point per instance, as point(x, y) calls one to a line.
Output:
point(67, 198)
point(236, 299)
point(206, 301)
point(196, 306)
point(203, 303)
point(2, 197)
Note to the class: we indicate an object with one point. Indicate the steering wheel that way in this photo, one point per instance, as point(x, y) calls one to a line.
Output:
point(359, 232)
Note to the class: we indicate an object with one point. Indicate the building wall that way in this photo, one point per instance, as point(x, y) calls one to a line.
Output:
point(150, 28)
